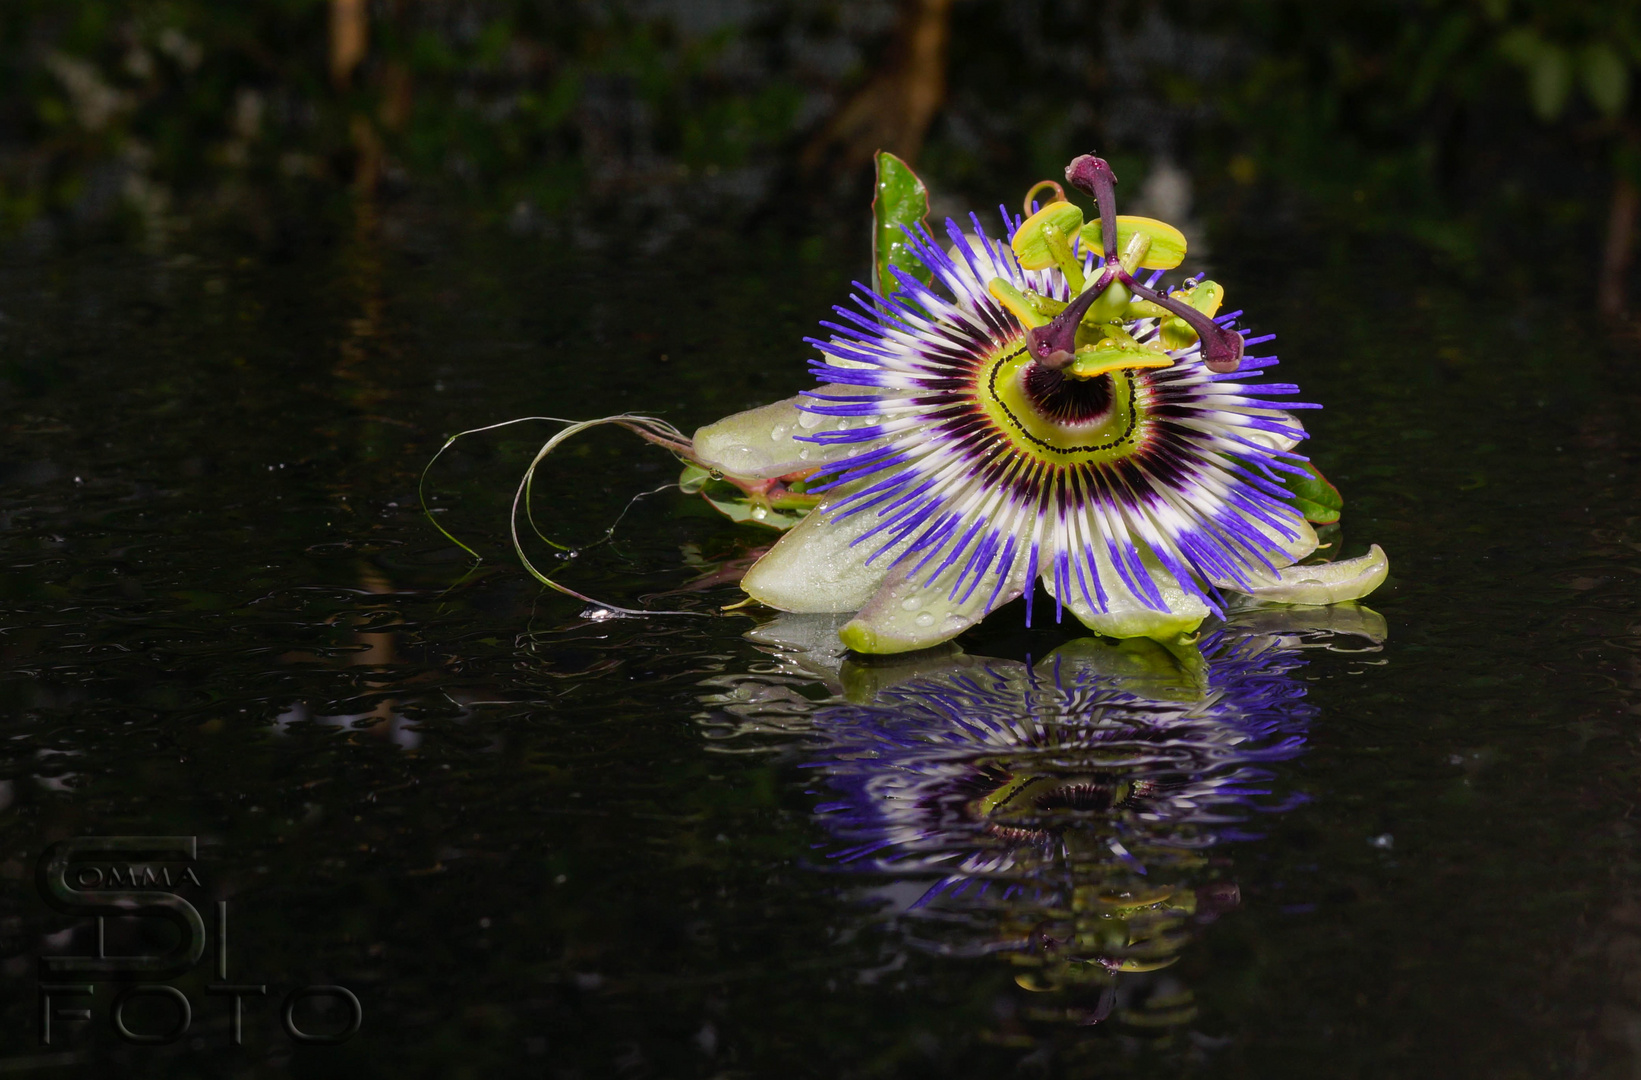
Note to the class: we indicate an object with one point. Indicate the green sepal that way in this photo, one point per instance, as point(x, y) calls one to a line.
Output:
point(900, 200)
point(1167, 248)
point(1044, 238)
point(1314, 496)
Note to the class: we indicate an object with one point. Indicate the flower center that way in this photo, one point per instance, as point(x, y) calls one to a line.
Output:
point(1095, 795)
point(1030, 807)
point(1059, 419)
point(1067, 400)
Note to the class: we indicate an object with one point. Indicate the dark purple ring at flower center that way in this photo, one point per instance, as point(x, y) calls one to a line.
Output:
point(1089, 795)
point(1066, 400)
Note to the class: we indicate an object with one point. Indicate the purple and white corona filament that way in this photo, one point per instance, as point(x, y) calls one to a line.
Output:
point(1036, 412)
point(1058, 814)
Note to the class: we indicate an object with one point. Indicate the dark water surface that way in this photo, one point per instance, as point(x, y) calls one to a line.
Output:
point(534, 842)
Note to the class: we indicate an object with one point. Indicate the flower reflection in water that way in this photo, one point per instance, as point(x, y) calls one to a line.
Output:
point(1060, 815)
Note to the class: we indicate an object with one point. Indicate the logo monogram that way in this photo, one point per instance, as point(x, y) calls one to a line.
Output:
point(126, 886)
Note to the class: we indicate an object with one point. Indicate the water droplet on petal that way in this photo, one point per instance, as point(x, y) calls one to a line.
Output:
point(803, 455)
point(925, 619)
point(912, 603)
point(779, 433)
point(810, 421)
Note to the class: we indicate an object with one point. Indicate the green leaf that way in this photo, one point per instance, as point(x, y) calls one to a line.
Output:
point(1549, 70)
point(1520, 45)
point(900, 200)
point(693, 479)
point(1314, 496)
point(781, 509)
point(733, 504)
point(746, 513)
point(1549, 81)
point(1606, 79)
point(1436, 59)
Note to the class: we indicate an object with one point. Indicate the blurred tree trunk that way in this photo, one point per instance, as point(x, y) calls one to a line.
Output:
point(349, 43)
point(1614, 287)
point(895, 107)
point(349, 38)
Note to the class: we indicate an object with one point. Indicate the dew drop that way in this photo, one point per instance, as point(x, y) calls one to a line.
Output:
point(759, 513)
point(779, 433)
point(803, 455)
point(912, 603)
point(925, 619)
point(810, 421)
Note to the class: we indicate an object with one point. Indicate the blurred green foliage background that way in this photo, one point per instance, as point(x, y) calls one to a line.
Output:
point(1478, 130)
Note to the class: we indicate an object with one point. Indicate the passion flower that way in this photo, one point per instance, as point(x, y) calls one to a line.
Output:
point(1032, 407)
point(1058, 814)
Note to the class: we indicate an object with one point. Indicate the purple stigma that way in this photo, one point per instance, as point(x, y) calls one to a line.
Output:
point(1093, 177)
point(1221, 346)
point(1055, 345)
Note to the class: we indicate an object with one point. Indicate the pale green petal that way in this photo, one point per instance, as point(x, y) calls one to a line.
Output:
point(1270, 438)
point(1160, 671)
point(1126, 616)
point(812, 634)
point(864, 678)
point(813, 568)
point(906, 613)
point(1297, 548)
point(803, 646)
point(1326, 583)
point(1292, 551)
point(762, 443)
point(1342, 618)
point(808, 645)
